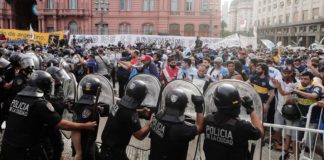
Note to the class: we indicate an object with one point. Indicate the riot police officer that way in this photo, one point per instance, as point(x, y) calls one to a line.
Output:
point(29, 112)
point(123, 122)
point(52, 137)
point(226, 136)
point(3, 65)
point(86, 110)
point(169, 133)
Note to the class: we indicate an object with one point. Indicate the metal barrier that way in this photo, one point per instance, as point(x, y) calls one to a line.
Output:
point(306, 141)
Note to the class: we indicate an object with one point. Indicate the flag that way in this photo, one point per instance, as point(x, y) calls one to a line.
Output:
point(242, 23)
point(31, 32)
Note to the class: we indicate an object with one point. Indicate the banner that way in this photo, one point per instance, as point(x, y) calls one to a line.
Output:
point(88, 41)
point(248, 41)
point(41, 38)
point(270, 45)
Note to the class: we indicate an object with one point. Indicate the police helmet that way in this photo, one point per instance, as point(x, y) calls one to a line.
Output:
point(135, 94)
point(27, 63)
point(90, 85)
point(290, 112)
point(53, 62)
point(4, 63)
point(15, 59)
point(176, 101)
point(42, 80)
point(227, 98)
point(59, 75)
point(3, 51)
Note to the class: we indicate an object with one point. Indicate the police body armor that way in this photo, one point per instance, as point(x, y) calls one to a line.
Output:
point(244, 89)
point(185, 115)
point(95, 95)
point(26, 146)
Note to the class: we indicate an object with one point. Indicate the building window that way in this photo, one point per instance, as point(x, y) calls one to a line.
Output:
point(282, 4)
point(102, 29)
point(315, 13)
point(295, 17)
point(189, 5)
point(125, 5)
point(274, 6)
point(288, 2)
point(281, 19)
point(124, 28)
point(73, 27)
point(148, 5)
point(189, 30)
point(147, 28)
point(50, 4)
point(203, 30)
point(268, 21)
point(287, 18)
point(274, 20)
point(174, 29)
point(73, 4)
point(296, 1)
point(204, 6)
point(305, 15)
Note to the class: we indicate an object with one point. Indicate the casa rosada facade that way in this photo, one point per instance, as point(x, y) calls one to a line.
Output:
point(163, 17)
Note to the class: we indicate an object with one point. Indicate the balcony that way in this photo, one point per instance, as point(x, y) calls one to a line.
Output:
point(73, 12)
point(204, 13)
point(174, 13)
point(189, 13)
point(48, 11)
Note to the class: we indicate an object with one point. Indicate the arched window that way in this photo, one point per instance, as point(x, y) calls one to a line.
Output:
point(73, 27)
point(124, 28)
point(174, 29)
point(147, 28)
point(73, 4)
point(203, 30)
point(189, 30)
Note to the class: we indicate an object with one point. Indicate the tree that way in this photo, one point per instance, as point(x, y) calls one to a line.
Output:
point(224, 33)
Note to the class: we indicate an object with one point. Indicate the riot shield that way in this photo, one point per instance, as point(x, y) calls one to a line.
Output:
point(190, 113)
point(244, 89)
point(106, 97)
point(70, 94)
point(154, 89)
point(36, 59)
point(189, 88)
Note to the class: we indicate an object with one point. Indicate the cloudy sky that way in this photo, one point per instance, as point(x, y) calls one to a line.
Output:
point(227, 1)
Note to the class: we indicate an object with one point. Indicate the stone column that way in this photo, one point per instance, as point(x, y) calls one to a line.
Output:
point(43, 24)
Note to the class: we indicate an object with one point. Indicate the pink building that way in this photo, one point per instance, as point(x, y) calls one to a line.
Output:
point(165, 17)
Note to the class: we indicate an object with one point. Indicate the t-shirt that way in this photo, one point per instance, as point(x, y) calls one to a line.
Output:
point(262, 86)
point(304, 103)
point(170, 140)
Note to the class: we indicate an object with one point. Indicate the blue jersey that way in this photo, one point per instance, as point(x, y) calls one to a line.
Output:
point(262, 86)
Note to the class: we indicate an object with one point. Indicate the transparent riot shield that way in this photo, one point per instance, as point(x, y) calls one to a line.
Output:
point(244, 89)
point(190, 113)
point(154, 89)
point(70, 94)
point(106, 97)
point(190, 89)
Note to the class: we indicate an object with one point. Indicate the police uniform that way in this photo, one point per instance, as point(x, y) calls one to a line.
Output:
point(227, 138)
point(122, 123)
point(84, 111)
point(29, 112)
point(169, 141)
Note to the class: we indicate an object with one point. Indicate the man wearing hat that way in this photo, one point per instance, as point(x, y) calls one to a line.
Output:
point(149, 67)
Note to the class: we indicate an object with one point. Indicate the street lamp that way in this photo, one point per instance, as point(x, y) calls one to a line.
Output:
point(102, 7)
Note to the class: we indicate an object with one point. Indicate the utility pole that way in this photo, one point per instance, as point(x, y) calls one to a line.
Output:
point(102, 7)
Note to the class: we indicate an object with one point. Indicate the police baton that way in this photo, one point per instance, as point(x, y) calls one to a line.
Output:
point(95, 109)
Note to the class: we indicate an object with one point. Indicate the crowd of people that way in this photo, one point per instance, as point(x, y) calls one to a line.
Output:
point(287, 81)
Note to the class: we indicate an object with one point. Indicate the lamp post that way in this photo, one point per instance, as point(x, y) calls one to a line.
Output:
point(211, 7)
point(102, 7)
